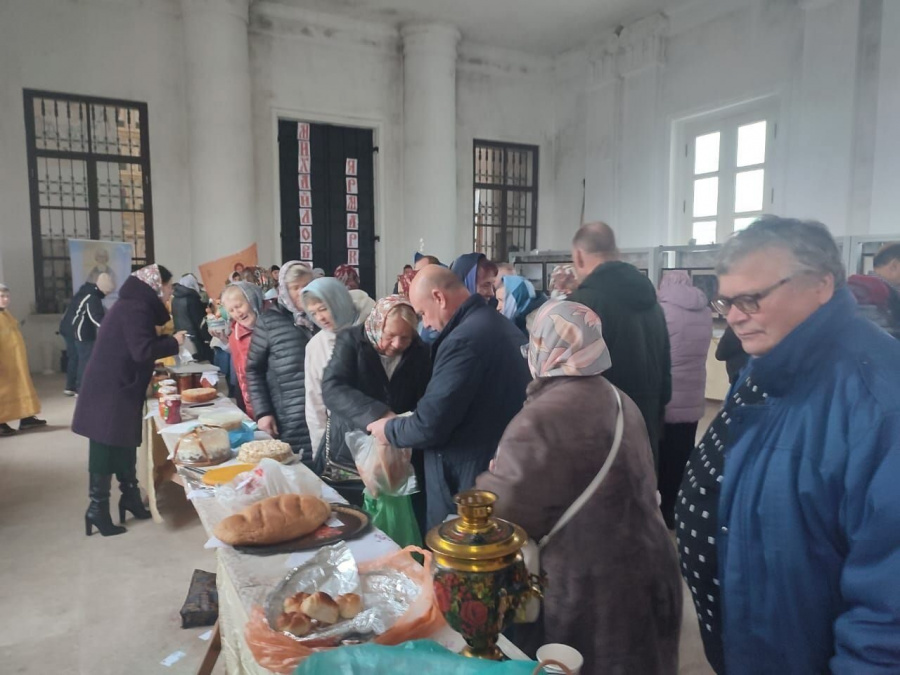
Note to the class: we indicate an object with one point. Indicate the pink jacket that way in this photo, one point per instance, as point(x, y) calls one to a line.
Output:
point(689, 320)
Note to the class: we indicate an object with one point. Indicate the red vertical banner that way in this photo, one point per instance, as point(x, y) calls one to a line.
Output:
point(305, 198)
point(352, 201)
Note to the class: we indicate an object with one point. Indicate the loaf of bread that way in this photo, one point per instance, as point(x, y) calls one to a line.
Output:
point(292, 604)
point(201, 395)
point(294, 622)
point(321, 607)
point(273, 520)
point(349, 605)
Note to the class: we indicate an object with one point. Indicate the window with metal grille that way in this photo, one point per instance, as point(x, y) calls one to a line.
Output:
point(89, 178)
point(506, 195)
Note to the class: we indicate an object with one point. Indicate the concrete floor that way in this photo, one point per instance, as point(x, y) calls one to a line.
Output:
point(108, 606)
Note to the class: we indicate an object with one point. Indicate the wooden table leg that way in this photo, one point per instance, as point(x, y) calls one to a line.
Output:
point(212, 652)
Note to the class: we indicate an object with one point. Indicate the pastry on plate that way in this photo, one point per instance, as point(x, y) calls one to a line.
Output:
point(203, 445)
point(200, 395)
point(254, 451)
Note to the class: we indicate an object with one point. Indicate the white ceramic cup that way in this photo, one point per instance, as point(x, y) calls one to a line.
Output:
point(571, 658)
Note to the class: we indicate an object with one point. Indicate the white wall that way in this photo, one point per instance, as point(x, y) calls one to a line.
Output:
point(503, 96)
point(832, 69)
point(123, 49)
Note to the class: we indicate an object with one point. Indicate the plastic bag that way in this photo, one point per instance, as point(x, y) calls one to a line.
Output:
point(421, 656)
point(394, 516)
point(267, 479)
point(384, 469)
point(279, 653)
point(243, 434)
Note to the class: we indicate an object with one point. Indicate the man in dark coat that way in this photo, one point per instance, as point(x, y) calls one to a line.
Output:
point(275, 377)
point(634, 325)
point(477, 386)
point(79, 326)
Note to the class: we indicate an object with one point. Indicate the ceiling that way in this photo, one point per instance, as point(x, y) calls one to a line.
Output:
point(546, 27)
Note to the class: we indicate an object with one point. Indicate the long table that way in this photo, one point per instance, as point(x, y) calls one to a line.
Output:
point(244, 581)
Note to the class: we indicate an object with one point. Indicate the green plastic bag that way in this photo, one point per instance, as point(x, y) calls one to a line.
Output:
point(394, 516)
point(422, 657)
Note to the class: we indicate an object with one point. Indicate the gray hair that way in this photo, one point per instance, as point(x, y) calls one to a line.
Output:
point(808, 241)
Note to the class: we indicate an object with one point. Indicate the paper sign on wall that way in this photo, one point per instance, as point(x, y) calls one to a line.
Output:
point(304, 148)
point(303, 165)
point(305, 200)
point(352, 187)
point(305, 233)
point(306, 216)
point(351, 167)
point(303, 181)
point(353, 256)
point(305, 251)
point(302, 132)
point(352, 202)
point(352, 221)
point(353, 240)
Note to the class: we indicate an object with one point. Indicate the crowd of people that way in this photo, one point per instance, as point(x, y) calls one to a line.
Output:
point(790, 548)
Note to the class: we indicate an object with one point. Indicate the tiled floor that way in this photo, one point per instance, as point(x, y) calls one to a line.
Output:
point(108, 606)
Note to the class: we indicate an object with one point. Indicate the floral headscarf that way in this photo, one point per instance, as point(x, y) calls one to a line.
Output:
point(567, 341)
point(404, 281)
point(348, 276)
point(563, 281)
point(284, 297)
point(335, 296)
point(378, 317)
point(150, 275)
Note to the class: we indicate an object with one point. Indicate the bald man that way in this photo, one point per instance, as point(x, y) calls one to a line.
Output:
point(477, 386)
point(634, 325)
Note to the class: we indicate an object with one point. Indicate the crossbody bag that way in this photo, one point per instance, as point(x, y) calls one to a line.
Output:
point(531, 552)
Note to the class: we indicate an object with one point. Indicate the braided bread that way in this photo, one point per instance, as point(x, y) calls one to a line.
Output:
point(274, 520)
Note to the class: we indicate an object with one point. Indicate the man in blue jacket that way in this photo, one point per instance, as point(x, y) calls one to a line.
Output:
point(788, 520)
point(477, 386)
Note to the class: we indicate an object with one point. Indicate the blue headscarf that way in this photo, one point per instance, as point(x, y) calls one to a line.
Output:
point(466, 268)
point(336, 298)
point(521, 298)
point(252, 293)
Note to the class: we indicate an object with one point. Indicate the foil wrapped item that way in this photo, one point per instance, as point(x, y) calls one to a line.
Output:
point(386, 596)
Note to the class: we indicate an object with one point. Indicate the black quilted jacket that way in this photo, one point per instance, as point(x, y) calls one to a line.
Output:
point(275, 376)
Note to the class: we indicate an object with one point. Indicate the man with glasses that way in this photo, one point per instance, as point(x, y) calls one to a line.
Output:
point(788, 519)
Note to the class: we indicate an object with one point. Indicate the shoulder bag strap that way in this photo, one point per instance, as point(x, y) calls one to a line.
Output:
point(592, 488)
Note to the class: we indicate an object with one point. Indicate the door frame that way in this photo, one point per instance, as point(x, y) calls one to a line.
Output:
point(376, 126)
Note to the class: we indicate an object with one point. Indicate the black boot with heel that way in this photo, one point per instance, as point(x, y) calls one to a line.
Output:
point(131, 497)
point(98, 512)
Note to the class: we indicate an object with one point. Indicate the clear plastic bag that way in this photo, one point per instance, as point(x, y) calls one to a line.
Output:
point(268, 479)
point(384, 469)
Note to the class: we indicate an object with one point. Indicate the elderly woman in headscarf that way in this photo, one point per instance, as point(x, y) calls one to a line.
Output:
point(348, 276)
point(275, 363)
point(613, 590)
point(563, 281)
point(379, 368)
point(18, 399)
point(188, 313)
point(328, 303)
point(518, 301)
point(243, 303)
point(110, 407)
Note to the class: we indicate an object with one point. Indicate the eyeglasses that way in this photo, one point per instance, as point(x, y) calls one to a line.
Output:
point(748, 303)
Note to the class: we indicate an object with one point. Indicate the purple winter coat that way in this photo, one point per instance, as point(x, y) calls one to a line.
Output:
point(111, 400)
point(689, 320)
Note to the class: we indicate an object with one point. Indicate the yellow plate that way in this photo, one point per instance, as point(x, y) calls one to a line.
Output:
point(223, 474)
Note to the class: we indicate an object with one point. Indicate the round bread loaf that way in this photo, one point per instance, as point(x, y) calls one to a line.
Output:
point(201, 395)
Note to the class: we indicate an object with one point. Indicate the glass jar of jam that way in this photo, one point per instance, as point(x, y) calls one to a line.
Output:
point(170, 409)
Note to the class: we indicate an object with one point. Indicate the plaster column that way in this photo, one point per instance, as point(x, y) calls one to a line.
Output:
point(643, 152)
point(603, 103)
point(820, 171)
point(217, 54)
point(429, 137)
